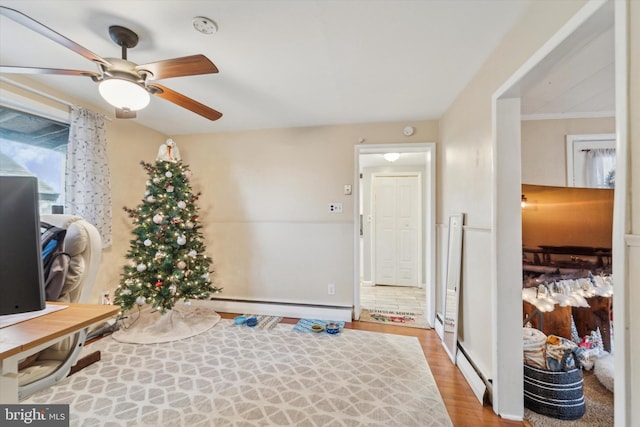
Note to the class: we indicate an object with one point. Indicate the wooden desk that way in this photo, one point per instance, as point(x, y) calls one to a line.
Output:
point(25, 338)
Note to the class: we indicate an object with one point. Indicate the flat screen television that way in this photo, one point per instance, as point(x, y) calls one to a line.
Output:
point(21, 275)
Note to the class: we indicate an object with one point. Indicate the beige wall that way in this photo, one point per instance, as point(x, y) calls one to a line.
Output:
point(634, 213)
point(544, 157)
point(264, 207)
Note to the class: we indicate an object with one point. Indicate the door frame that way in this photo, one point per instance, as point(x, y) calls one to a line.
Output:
point(428, 214)
point(416, 174)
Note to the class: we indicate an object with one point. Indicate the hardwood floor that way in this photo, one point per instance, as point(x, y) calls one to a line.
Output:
point(463, 406)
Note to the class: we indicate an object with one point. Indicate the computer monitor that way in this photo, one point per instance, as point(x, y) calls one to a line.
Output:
point(21, 276)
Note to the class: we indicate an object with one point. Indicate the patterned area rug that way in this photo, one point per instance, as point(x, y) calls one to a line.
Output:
point(231, 376)
point(396, 318)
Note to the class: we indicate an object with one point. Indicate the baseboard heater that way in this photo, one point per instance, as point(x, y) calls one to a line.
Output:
point(478, 383)
point(283, 309)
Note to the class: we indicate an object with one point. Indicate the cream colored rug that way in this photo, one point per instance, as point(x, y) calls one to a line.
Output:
point(148, 326)
point(238, 376)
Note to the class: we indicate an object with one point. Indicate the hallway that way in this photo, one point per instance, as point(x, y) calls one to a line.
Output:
point(393, 298)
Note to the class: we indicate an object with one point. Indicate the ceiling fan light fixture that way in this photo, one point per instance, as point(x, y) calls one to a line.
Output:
point(391, 157)
point(124, 94)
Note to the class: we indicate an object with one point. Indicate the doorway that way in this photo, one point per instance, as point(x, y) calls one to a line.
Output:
point(507, 392)
point(394, 239)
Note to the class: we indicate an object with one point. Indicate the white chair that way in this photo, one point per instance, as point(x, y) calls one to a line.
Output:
point(84, 245)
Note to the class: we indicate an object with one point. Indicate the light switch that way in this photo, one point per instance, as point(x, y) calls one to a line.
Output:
point(347, 189)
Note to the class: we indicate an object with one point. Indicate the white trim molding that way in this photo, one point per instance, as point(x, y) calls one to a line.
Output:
point(564, 116)
point(284, 310)
point(473, 378)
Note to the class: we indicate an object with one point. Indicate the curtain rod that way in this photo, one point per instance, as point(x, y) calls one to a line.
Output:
point(43, 94)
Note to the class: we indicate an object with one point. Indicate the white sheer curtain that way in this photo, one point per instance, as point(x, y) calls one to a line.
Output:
point(601, 168)
point(87, 185)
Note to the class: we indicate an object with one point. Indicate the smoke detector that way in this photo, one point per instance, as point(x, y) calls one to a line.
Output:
point(204, 25)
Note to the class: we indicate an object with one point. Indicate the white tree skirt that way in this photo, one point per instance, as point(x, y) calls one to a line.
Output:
point(184, 321)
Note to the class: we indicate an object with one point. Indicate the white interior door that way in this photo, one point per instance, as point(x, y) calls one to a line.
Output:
point(397, 231)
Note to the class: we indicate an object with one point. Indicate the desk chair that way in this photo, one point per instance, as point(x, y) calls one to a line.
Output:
point(84, 245)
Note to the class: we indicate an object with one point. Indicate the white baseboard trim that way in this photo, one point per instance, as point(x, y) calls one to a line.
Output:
point(439, 327)
point(511, 417)
point(284, 310)
point(473, 379)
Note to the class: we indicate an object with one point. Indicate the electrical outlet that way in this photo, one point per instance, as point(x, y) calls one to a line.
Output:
point(335, 207)
point(331, 289)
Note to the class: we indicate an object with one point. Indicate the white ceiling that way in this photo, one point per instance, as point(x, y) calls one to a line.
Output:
point(282, 63)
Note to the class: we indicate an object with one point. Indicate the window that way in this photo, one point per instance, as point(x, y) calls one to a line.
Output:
point(35, 146)
point(591, 161)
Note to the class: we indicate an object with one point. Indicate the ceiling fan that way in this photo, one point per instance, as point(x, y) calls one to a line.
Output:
point(124, 84)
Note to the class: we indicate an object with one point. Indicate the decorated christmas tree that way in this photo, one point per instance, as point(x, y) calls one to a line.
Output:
point(166, 261)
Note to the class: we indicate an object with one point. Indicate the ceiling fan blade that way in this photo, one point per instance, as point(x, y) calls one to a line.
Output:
point(178, 67)
point(121, 113)
point(36, 26)
point(185, 102)
point(36, 70)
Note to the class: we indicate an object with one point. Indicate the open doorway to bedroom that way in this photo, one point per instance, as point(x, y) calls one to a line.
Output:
point(394, 238)
point(595, 23)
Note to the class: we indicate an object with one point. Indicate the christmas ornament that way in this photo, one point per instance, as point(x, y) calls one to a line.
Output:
point(182, 204)
point(157, 218)
point(151, 199)
point(156, 180)
point(141, 267)
point(131, 263)
point(148, 183)
point(169, 188)
point(168, 174)
point(189, 225)
point(160, 254)
point(182, 265)
point(158, 283)
point(140, 300)
point(187, 174)
point(147, 242)
point(182, 240)
point(146, 193)
point(126, 292)
point(172, 289)
point(192, 253)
